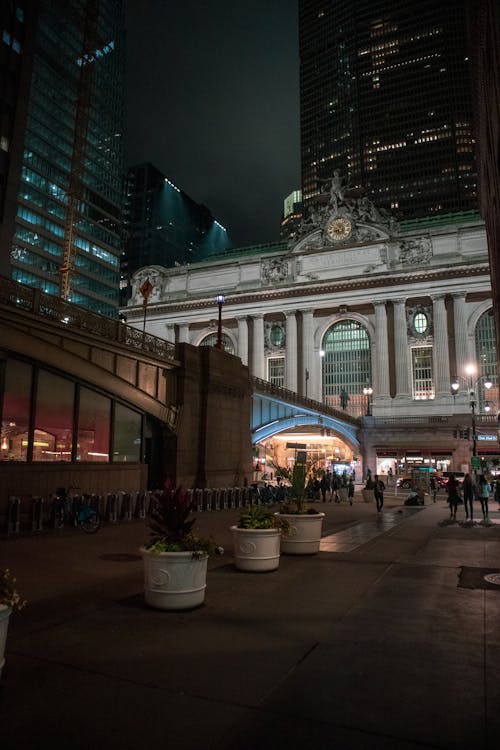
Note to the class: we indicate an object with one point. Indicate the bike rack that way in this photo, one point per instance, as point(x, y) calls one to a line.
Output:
point(36, 514)
point(14, 515)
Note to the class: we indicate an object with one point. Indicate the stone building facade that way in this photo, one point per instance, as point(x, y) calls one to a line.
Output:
point(355, 303)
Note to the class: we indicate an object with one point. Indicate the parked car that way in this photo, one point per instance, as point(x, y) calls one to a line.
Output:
point(404, 481)
point(443, 478)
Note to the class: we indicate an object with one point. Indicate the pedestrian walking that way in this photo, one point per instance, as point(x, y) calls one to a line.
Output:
point(434, 488)
point(468, 493)
point(389, 476)
point(324, 486)
point(335, 484)
point(378, 491)
point(452, 489)
point(350, 490)
point(484, 489)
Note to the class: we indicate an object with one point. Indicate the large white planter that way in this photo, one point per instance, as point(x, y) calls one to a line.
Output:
point(256, 550)
point(304, 535)
point(5, 613)
point(174, 580)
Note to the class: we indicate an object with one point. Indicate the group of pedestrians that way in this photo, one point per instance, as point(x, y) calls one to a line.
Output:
point(327, 488)
point(473, 488)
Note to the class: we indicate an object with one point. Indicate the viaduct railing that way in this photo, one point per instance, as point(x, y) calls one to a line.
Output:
point(58, 310)
point(264, 386)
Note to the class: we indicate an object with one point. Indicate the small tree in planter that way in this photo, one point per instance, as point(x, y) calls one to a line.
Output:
point(257, 539)
point(304, 534)
point(10, 600)
point(175, 559)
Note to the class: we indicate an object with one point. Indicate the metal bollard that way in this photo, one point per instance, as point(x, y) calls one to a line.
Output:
point(36, 514)
point(14, 515)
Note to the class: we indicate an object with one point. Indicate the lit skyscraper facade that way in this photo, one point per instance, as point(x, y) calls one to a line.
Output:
point(164, 226)
point(386, 98)
point(60, 229)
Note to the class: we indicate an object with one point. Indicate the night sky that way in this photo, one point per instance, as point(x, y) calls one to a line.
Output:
point(212, 101)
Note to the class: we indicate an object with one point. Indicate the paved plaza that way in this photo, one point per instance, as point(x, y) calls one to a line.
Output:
point(389, 638)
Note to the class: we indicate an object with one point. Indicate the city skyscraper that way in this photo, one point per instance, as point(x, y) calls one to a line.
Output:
point(385, 97)
point(61, 166)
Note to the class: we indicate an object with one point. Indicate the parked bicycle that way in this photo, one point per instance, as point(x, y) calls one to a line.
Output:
point(76, 510)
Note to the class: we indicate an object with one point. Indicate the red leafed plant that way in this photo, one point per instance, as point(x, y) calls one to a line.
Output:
point(170, 526)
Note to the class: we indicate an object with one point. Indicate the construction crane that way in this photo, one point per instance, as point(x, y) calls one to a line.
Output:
point(82, 112)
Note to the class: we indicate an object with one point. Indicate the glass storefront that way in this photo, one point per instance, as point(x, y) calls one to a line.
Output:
point(49, 417)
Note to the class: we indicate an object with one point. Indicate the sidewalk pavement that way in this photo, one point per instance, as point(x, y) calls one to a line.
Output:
point(394, 644)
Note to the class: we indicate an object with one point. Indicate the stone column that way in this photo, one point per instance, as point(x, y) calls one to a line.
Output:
point(243, 340)
point(258, 360)
point(291, 352)
point(441, 356)
point(170, 332)
point(461, 337)
point(307, 353)
point(183, 333)
point(381, 386)
point(401, 352)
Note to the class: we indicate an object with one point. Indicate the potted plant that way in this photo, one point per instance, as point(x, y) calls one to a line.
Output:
point(9, 601)
point(368, 490)
point(303, 536)
point(175, 560)
point(257, 539)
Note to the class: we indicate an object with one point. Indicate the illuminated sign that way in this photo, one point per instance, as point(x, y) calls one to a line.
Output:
point(93, 56)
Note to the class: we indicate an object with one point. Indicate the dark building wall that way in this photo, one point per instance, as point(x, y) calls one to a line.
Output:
point(386, 98)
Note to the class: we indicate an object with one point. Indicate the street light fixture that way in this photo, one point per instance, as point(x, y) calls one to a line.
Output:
point(472, 385)
point(367, 391)
point(220, 301)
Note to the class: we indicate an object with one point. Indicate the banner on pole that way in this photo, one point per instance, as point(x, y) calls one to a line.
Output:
point(146, 289)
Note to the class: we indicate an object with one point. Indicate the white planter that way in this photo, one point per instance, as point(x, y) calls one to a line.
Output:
point(5, 613)
point(256, 550)
point(304, 535)
point(174, 580)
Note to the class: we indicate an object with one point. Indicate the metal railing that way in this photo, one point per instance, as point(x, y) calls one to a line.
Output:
point(264, 386)
point(58, 310)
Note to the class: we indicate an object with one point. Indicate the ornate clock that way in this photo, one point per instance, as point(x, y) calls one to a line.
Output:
point(338, 228)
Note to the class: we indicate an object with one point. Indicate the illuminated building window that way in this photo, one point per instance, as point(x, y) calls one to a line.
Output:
point(422, 373)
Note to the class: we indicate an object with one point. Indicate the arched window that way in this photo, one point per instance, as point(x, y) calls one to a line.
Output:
point(486, 358)
point(346, 367)
point(211, 340)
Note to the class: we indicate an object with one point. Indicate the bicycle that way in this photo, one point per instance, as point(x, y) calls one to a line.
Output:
point(77, 509)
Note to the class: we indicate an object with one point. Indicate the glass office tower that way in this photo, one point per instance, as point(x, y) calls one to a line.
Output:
point(386, 98)
point(62, 218)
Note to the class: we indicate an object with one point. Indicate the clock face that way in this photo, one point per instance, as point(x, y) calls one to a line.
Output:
point(338, 228)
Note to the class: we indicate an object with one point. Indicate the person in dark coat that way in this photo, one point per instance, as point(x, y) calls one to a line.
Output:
point(378, 490)
point(468, 491)
point(324, 485)
point(452, 490)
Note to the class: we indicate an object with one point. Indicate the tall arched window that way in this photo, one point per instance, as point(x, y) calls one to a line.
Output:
point(346, 367)
point(211, 340)
point(486, 358)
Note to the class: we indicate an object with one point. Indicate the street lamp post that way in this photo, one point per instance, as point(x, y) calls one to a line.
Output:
point(220, 301)
point(472, 385)
point(367, 391)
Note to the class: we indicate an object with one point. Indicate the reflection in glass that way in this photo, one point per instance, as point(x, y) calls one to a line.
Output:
point(127, 435)
point(93, 427)
point(16, 411)
point(53, 418)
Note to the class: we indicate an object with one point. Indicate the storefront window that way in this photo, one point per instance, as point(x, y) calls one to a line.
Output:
point(127, 435)
point(16, 411)
point(53, 418)
point(93, 427)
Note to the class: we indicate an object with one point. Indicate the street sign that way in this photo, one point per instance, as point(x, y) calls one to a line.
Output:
point(475, 462)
